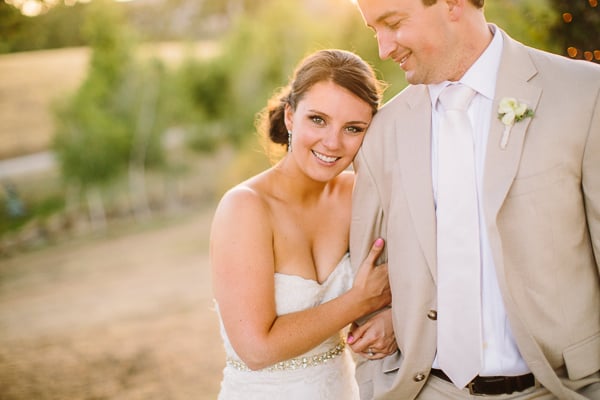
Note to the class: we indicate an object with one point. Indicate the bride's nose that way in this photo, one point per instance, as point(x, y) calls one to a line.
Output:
point(332, 139)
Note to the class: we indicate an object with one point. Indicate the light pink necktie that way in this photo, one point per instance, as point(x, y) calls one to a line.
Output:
point(458, 255)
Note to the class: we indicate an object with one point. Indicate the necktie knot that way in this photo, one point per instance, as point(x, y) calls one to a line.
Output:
point(456, 97)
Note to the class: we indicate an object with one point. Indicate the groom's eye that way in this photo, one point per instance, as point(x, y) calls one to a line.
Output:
point(393, 24)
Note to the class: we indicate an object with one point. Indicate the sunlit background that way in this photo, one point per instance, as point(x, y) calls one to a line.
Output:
point(121, 124)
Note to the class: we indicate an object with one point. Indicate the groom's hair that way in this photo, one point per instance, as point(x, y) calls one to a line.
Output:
point(476, 3)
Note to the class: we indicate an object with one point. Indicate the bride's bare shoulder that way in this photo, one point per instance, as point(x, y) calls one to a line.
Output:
point(344, 182)
point(241, 199)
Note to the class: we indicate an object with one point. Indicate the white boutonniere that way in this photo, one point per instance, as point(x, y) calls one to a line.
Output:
point(509, 112)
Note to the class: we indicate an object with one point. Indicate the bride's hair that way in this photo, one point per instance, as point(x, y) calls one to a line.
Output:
point(344, 68)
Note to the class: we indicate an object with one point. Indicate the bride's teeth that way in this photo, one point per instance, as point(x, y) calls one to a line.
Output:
point(324, 157)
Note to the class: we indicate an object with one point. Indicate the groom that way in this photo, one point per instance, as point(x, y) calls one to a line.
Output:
point(536, 196)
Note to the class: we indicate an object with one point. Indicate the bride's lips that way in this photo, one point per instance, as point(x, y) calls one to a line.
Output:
point(325, 158)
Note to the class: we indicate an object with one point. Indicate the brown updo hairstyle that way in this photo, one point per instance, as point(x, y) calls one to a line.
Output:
point(344, 68)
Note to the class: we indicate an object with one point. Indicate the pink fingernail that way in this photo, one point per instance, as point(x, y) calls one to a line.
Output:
point(379, 242)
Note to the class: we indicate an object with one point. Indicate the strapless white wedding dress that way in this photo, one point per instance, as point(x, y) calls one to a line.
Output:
point(325, 372)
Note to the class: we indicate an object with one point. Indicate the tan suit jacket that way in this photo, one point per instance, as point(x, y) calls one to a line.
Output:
point(541, 202)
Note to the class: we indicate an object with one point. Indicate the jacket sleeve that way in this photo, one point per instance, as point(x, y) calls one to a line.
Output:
point(368, 221)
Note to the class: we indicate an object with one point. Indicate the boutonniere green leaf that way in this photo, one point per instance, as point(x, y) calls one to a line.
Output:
point(510, 111)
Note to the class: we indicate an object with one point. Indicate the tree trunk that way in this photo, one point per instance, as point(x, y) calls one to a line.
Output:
point(96, 209)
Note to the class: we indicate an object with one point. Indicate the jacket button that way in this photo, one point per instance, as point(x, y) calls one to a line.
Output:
point(432, 315)
point(419, 377)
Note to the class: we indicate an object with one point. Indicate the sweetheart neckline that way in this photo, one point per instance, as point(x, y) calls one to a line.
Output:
point(335, 269)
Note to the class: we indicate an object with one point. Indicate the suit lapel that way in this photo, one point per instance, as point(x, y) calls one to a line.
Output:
point(414, 149)
point(501, 165)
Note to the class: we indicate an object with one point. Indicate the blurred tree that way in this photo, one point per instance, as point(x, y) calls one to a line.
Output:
point(578, 28)
point(114, 121)
point(204, 87)
point(11, 28)
point(59, 27)
point(148, 116)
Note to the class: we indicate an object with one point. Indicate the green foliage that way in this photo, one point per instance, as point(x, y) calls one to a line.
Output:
point(525, 20)
point(146, 111)
point(118, 116)
point(261, 52)
point(201, 93)
point(12, 27)
point(59, 27)
point(92, 139)
point(91, 146)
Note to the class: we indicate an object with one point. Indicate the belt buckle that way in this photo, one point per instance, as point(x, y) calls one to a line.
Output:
point(472, 392)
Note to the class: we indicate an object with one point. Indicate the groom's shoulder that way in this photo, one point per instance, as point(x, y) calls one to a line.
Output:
point(403, 99)
point(562, 67)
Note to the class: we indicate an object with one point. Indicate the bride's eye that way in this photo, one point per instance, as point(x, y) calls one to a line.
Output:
point(317, 120)
point(355, 130)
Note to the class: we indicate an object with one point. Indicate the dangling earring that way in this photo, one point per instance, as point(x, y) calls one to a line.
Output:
point(289, 141)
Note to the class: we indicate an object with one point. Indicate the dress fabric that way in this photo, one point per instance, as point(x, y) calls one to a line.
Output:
point(330, 379)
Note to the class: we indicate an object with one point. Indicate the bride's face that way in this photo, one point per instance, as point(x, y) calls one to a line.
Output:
point(328, 127)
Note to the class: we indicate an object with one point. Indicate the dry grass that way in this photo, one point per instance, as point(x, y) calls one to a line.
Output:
point(127, 316)
point(28, 84)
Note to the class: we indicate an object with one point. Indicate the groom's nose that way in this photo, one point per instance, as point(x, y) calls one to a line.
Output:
point(385, 43)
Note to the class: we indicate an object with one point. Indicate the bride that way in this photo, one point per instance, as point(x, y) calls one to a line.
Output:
point(282, 279)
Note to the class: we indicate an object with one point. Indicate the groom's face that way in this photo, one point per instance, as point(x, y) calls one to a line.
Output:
point(415, 36)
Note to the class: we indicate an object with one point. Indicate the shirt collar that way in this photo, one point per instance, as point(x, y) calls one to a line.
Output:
point(481, 76)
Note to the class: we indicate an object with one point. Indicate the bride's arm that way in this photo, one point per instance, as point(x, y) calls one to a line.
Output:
point(243, 283)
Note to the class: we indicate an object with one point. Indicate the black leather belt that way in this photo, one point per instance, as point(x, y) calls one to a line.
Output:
point(493, 385)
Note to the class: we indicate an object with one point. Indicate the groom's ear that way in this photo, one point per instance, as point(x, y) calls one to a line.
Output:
point(455, 8)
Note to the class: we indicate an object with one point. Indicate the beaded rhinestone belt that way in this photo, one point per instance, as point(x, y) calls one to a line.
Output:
point(294, 363)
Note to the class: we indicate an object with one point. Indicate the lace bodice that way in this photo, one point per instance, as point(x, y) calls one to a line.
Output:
point(324, 372)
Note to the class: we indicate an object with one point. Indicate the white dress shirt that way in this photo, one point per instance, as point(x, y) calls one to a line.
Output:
point(500, 353)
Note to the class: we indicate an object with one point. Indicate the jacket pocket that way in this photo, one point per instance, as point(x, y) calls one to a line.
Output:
point(583, 358)
point(392, 363)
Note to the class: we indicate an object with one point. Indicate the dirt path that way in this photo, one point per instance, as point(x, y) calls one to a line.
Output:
point(123, 317)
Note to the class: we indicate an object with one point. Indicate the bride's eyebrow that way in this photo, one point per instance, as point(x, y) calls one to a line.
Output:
point(323, 114)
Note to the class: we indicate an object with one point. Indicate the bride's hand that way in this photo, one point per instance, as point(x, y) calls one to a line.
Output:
point(375, 338)
point(371, 281)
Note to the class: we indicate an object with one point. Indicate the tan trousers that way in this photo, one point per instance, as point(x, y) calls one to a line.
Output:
point(437, 389)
